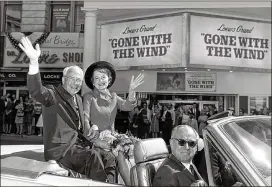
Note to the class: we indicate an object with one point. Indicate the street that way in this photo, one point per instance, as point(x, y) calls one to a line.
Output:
point(11, 139)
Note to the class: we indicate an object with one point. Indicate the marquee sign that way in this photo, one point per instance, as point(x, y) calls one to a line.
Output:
point(140, 43)
point(228, 42)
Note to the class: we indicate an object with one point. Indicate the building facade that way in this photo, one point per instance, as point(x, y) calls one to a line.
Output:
point(187, 54)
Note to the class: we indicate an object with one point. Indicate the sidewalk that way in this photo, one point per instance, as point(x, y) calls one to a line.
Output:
point(33, 138)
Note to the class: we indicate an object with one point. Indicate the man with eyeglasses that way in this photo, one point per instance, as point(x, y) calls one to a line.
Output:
point(178, 169)
point(64, 128)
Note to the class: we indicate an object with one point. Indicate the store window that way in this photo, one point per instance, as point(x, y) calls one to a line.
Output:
point(13, 16)
point(257, 104)
point(61, 16)
point(79, 17)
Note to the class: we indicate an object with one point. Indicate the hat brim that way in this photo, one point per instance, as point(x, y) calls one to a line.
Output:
point(99, 65)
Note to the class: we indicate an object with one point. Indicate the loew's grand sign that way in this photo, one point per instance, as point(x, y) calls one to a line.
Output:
point(140, 43)
point(226, 42)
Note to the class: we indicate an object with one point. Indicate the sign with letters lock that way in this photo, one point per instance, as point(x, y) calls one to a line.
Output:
point(142, 43)
point(228, 42)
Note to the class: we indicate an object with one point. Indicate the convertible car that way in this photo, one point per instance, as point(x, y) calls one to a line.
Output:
point(237, 151)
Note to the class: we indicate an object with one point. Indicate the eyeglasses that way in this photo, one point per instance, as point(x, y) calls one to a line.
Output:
point(74, 79)
point(182, 142)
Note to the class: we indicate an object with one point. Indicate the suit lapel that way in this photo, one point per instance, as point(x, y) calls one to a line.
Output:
point(80, 107)
point(66, 116)
point(69, 105)
point(183, 168)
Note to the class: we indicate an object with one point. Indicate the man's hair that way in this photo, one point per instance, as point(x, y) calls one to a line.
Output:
point(69, 68)
point(184, 126)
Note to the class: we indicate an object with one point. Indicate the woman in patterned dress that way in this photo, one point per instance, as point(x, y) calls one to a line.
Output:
point(29, 107)
point(156, 114)
point(19, 119)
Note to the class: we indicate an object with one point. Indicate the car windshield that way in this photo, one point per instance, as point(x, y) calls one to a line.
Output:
point(253, 137)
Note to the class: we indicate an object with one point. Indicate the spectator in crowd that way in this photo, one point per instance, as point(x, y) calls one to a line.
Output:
point(155, 117)
point(39, 125)
point(29, 107)
point(2, 111)
point(143, 119)
point(14, 111)
point(221, 108)
point(253, 112)
point(178, 115)
point(231, 111)
point(265, 111)
point(168, 122)
point(202, 120)
point(260, 112)
point(178, 169)
point(36, 115)
point(185, 115)
point(19, 119)
point(215, 110)
point(211, 111)
point(192, 122)
point(8, 116)
point(121, 121)
point(195, 110)
point(241, 112)
point(133, 126)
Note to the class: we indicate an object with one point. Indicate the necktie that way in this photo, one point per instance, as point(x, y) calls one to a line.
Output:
point(192, 170)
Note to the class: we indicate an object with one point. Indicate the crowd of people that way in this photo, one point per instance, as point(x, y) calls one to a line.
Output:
point(158, 119)
point(20, 116)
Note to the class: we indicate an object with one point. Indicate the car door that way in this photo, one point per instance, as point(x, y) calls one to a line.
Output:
point(221, 170)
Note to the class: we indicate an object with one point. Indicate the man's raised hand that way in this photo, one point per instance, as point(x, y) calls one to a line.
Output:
point(33, 54)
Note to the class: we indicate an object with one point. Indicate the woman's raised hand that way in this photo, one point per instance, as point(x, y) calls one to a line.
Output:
point(33, 54)
point(134, 83)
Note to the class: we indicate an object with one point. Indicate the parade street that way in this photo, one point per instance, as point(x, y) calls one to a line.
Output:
point(11, 139)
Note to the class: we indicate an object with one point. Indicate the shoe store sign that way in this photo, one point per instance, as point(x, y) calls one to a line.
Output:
point(228, 42)
point(140, 43)
point(56, 52)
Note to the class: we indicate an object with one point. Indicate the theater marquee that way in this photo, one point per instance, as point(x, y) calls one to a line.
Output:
point(227, 42)
point(140, 43)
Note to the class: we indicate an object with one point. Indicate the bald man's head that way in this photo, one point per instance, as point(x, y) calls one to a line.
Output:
point(183, 143)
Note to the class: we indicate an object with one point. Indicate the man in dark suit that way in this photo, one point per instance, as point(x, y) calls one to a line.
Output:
point(64, 128)
point(195, 111)
point(178, 169)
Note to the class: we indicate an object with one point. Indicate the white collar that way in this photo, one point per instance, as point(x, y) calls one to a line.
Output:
point(187, 165)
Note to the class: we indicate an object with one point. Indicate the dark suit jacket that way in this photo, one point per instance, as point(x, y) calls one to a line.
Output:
point(197, 113)
point(58, 119)
point(173, 173)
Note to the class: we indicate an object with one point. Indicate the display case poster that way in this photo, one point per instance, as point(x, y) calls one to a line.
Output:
point(200, 82)
point(257, 103)
point(61, 18)
point(170, 81)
